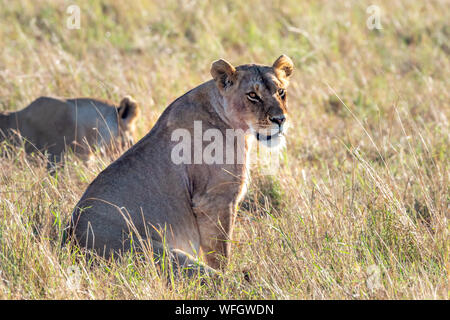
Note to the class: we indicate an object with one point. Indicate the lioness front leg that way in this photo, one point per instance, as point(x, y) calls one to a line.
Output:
point(215, 220)
point(182, 261)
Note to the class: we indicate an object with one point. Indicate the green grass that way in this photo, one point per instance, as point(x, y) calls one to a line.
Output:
point(364, 181)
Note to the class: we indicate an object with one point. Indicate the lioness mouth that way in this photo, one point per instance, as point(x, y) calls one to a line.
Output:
point(262, 137)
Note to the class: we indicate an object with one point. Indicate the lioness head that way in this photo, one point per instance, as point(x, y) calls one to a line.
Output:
point(128, 112)
point(255, 97)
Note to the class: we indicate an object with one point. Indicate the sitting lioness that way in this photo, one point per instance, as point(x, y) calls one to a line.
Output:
point(149, 195)
point(52, 125)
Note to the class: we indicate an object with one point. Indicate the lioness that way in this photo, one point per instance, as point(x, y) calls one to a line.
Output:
point(190, 207)
point(53, 124)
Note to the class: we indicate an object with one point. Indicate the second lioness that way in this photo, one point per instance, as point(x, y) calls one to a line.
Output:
point(54, 125)
point(193, 206)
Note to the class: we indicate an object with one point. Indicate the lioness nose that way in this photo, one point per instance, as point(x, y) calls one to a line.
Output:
point(278, 119)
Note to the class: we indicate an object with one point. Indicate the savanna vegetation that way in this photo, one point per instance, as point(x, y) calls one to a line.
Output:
point(359, 206)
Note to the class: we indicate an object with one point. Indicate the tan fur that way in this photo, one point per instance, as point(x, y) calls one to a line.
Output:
point(191, 206)
point(52, 125)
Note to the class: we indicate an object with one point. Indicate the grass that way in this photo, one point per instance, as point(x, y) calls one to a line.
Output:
point(359, 208)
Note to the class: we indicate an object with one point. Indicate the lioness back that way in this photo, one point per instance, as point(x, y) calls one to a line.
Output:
point(53, 124)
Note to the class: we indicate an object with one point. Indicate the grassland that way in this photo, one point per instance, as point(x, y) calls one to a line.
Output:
point(360, 205)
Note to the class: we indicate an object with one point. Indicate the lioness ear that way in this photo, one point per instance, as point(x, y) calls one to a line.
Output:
point(283, 66)
point(223, 73)
point(128, 110)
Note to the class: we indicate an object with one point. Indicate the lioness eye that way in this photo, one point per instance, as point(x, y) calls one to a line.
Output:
point(281, 92)
point(253, 96)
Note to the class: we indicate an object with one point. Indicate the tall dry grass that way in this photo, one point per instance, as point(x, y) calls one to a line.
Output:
point(359, 207)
